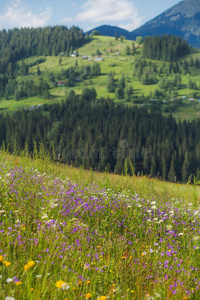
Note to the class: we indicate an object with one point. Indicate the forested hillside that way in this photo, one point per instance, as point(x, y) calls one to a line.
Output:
point(97, 134)
point(166, 48)
point(17, 44)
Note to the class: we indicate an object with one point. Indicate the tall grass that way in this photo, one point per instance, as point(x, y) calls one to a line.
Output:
point(73, 234)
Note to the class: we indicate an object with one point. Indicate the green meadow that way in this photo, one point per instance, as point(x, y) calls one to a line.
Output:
point(70, 233)
point(116, 61)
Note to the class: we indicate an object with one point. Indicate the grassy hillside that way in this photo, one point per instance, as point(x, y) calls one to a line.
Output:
point(73, 234)
point(114, 60)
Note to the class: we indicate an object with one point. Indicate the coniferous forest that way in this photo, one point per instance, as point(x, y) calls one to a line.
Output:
point(93, 132)
point(18, 44)
point(98, 134)
point(166, 48)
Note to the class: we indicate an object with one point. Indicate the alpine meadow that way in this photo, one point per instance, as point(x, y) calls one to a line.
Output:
point(100, 159)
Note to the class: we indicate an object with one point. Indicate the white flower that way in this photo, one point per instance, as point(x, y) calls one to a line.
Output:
point(9, 298)
point(65, 286)
point(181, 233)
point(38, 276)
point(154, 207)
point(8, 280)
point(44, 216)
point(196, 238)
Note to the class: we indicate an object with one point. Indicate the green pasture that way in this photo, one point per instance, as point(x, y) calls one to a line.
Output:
point(117, 64)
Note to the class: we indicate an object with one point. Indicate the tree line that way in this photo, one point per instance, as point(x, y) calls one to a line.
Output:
point(98, 134)
point(18, 44)
point(166, 47)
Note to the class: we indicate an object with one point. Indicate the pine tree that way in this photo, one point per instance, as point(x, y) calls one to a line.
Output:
point(172, 171)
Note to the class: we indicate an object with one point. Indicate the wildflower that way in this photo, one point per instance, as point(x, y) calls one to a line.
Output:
point(102, 298)
point(143, 253)
point(1, 258)
point(154, 207)
point(88, 282)
point(29, 265)
point(88, 296)
point(9, 298)
point(181, 233)
point(32, 289)
point(8, 280)
point(65, 286)
point(7, 263)
point(18, 282)
point(59, 284)
point(38, 276)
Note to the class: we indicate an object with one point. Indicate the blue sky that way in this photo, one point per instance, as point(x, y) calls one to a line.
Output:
point(86, 14)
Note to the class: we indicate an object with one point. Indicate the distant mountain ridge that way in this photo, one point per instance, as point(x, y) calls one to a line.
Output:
point(109, 30)
point(183, 19)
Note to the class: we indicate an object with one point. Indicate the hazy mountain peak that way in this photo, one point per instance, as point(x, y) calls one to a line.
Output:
point(182, 19)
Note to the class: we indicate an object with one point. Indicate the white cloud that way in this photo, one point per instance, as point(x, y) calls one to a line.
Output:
point(19, 15)
point(110, 11)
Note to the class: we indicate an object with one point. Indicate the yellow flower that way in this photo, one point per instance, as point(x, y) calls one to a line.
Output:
point(32, 289)
point(26, 267)
point(18, 282)
point(79, 283)
point(1, 258)
point(6, 263)
point(88, 296)
point(29, 265)
point(102, 298)
point(59, 284)
point(88, 282)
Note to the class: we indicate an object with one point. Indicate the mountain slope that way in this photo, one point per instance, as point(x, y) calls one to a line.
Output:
point(109, 30)
point(183, 20)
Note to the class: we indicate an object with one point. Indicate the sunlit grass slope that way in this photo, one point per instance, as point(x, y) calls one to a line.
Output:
point(73, 234)
point(121, 64)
